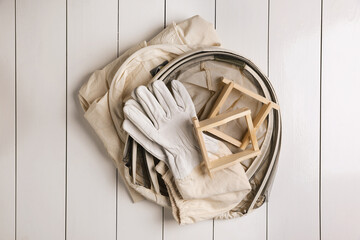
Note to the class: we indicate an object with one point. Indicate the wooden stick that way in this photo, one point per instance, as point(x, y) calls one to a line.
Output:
point(251, 94)
point(224, 137)
point(230, 160)
point(259, 119)
point(252, 132)
point(221, 99)
point(202, 145)
point(222, 119)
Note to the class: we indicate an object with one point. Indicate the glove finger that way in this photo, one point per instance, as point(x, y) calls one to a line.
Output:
point(164, 97)
point(182, 97)
point(150, 146)
point(139, 119)
point(150, 105)
point(133, 103)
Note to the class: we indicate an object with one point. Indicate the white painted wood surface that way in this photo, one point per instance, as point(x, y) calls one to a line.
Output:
point(56, 180)
point(91, 177)
point(137, 23)
point(7, 120)
point(246, 33)
point(243, 27)
point(145, 215)
point(294, 69)
point(41, 114)
point(178, 11)
point(340, 170)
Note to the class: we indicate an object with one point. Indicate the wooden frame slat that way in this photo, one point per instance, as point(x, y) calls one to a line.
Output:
point(210, 123)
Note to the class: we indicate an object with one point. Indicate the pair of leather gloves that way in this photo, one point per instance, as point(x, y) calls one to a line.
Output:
point(161, 122)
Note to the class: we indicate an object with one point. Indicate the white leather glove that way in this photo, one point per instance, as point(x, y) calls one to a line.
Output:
point(216, 148)
point(152, 147)
point(168, 123)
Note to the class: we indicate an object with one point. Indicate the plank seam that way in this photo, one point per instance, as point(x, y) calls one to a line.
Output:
point(268, 75)
point(163, 209)
point(162, 225)
point(213, 229)
point(267, 220)
point(320, 112)
point(116, 204)
point(213, 220)
point(164, 13)
point(268, 40)
point(215, 16)
point(117, 29)
point(117, 172)
point(16, 122)
point(66, 118)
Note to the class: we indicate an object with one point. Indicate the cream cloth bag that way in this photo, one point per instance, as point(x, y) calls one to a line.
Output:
point(103, 110)
point(130, 70)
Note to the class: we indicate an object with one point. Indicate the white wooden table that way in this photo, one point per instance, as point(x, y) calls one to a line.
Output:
point(56, 180)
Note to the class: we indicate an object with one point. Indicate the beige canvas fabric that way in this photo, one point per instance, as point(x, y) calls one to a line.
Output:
point(202, 82)
point(103, 96)
point(94, 94)
point(195, 210)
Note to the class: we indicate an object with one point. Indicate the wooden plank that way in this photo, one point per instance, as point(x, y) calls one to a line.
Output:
point(41, 113)
point(142, 220)
point(173, 231)
point(138, 21)
point(242, 27)
point(340, 91)
point(179, 11)
point(91, 175)
point(7, 120)
point(250, 227)
point(294, 72)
